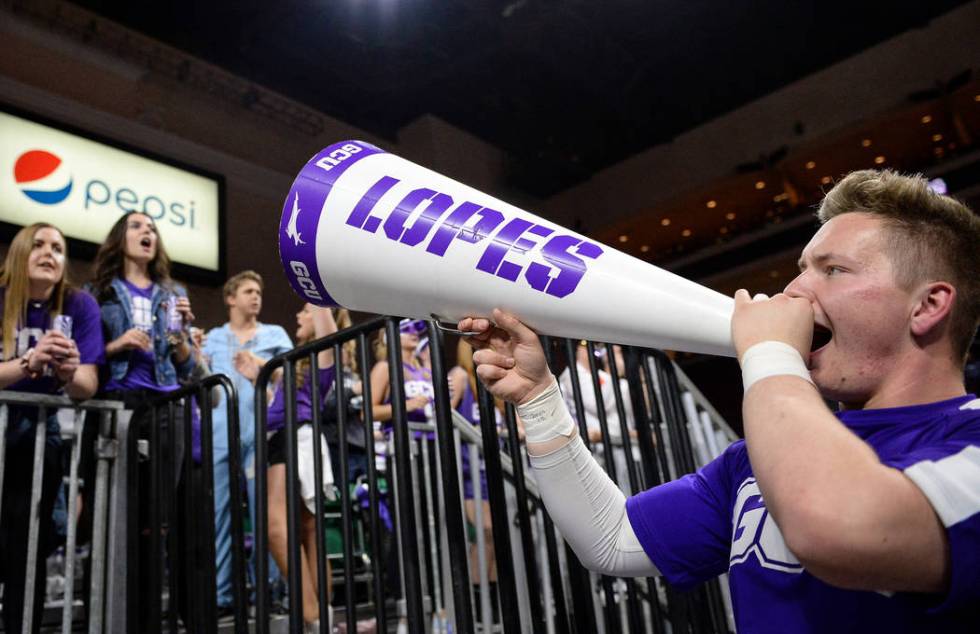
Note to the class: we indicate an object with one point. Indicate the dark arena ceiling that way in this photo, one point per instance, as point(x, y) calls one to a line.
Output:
point(565, 88)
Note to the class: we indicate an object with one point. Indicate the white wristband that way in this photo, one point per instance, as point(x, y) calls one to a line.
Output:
point(546, 416)
point(772, 358)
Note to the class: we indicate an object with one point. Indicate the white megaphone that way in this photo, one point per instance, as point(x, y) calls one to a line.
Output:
point(367, 230)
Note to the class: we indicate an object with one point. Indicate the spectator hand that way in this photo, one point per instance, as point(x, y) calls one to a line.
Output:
point(65, 369)
point(248, 364)
point(51, 349)
point(132, 339)
point(780, 318)
point(184, 308)
point(416, 403)
point(509, 357)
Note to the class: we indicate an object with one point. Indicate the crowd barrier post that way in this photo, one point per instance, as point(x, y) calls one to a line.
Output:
point(453, 509)
point(109, 420)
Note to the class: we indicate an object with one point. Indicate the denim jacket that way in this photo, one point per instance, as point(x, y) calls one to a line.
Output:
point(117, 318)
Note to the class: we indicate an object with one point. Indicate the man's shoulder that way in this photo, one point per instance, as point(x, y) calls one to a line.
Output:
point(963, 419)
point(969, 409)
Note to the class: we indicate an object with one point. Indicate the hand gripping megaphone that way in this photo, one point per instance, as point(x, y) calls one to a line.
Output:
point(367, 230)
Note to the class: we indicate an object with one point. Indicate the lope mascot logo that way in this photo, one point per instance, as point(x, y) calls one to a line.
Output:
point(39, 169)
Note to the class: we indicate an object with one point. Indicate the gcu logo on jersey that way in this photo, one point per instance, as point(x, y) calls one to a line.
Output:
point(755, 533)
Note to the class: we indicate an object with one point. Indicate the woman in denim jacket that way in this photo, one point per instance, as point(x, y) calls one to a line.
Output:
point(147, 352)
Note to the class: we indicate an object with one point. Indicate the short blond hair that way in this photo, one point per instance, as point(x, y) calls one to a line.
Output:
point(235, 281)
point(930, 237)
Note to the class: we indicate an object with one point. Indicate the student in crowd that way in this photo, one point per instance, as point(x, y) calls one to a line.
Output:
point(38, 358)
point(145, 315)
point(313, 322)
point(238, 349)
point(419, 394)
point(865, 519)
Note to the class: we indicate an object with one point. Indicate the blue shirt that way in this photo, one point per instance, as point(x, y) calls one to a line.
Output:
point(714, 521)
point(221, 346)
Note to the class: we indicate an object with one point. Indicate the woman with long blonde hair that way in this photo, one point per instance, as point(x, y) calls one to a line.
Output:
point(52, 343)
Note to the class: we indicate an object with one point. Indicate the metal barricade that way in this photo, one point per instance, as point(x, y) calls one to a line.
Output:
point(30, 451)
point(663, 428)
point(179, 549)
point(150, 562)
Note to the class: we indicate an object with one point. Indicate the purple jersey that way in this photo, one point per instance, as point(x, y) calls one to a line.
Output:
point(418, 382)
point(468, 406)
point(86, 332)
point(276, 419)
point(714, 521)
point(141, 374)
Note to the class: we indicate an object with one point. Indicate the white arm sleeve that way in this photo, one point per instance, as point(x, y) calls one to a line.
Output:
point(588, 509)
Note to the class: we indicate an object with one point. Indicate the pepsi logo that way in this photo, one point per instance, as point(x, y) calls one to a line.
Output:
point(37, 174)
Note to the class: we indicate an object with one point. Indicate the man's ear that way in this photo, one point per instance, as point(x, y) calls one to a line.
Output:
point(228, 300)
point(935, 302)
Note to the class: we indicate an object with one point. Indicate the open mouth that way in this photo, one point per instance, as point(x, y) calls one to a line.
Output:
point(146, 243)
point(821, 337)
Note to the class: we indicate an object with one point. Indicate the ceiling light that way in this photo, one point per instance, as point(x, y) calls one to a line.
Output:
point(879, 159)
point(760, 184)
point(927, 118)
point(773, 274)
point(686, 233)
point(865, 142)
point(825, 180)
point(937, 138)
point(810, 165)
point(723, 230)
point(711, 204)
point(778, 198)
point(938, 151)
point(645, 248)
point(623, 238)
point(730, 216)
point(976, 97)
point(665, 222)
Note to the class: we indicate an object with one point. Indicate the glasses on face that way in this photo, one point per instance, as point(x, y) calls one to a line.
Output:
point(411, 326)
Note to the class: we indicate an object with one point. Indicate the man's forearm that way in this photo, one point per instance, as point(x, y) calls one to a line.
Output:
point(586, 506)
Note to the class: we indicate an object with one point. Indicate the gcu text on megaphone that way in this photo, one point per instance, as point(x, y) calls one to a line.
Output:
point(370, 231)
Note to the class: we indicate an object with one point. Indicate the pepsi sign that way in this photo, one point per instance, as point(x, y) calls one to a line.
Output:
point(82, 186)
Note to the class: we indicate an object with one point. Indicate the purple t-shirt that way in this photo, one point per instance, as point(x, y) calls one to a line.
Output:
point(715, 521)
point(86, 332)
point(141, 373)
point(276, 418)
